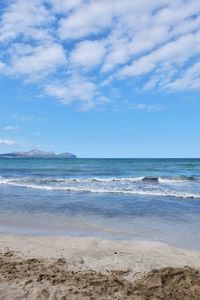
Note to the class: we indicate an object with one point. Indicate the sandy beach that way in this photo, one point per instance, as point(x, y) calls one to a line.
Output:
point(92, 268)
point(99, 150)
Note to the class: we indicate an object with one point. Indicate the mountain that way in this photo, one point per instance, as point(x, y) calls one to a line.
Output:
point(37, 154)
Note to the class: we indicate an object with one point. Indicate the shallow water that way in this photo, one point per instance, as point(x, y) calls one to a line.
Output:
point(150, 199)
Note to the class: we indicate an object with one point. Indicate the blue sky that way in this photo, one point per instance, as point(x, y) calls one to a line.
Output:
point(101, 78)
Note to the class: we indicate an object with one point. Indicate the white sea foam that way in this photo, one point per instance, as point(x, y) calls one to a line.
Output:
point(145, 179)
point(101, 185)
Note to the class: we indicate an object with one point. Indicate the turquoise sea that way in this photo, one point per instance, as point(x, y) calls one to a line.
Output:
point(142, 199)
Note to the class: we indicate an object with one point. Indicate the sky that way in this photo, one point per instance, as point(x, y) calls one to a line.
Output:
point(100, 78)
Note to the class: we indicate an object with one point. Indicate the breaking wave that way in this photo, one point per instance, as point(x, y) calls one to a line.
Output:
point(146, 186)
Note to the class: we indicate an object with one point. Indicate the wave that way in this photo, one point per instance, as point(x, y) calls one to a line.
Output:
point(143, 179)
point(134, 192)
point(99, 185)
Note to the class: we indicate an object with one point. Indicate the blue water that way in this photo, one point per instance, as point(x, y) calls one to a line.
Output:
point(145, 199)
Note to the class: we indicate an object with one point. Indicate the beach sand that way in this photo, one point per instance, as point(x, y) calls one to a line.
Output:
point(93, 268)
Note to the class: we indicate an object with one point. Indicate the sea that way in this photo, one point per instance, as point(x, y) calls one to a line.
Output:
point(123, 199)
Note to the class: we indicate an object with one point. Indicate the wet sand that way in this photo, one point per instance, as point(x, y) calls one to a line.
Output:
point(91, 268)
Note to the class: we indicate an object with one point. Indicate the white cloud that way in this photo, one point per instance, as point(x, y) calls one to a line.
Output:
point(77, 90)
point(37, 61)
point(148, 107)
point(24, 18)
point(175, 52)
point(89, 18)
point(86, 45)
point(3, 68)
point(88, 54)
point(11, 128)
point(24, 117)
point(177, 11)
point(189, 80)
point(6, 142)
point(118, 53)
point(64, 6)
point(73, 90)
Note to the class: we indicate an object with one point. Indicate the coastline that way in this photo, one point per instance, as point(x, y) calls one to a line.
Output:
point(125, 260)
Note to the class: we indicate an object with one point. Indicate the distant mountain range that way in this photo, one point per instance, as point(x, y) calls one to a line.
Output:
point(37, 154)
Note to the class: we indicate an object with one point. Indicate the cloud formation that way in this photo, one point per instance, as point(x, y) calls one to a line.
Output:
point(148, 107)
point(88, 54)
point(73, 47)
point(37, 61)
point(6, 142)
point(10, 128)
